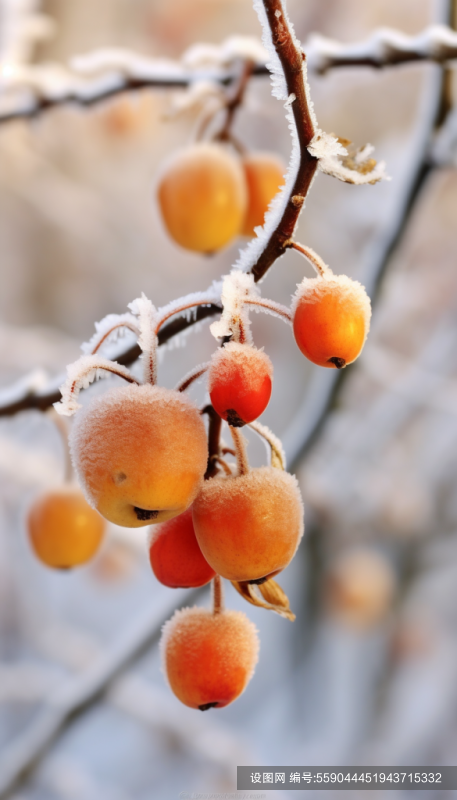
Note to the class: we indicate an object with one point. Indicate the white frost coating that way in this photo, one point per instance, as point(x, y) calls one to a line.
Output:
point(234, 320)
point(312, 290)
point(128, 63)
point(251, 253)
point(80, 375)
point(203, 55)
point(335, 160)
point(109, 329)
point(146, 314)
point(189, 302)
point(202, 368)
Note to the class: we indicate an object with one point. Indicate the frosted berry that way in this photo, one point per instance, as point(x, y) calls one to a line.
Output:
point(264, 176)
point(140, 453)
point(331, 319)
point(202, 197)
point(249, 527)
point(239, 382)
point(175, 556)
point(63, 529)
point(209, 658)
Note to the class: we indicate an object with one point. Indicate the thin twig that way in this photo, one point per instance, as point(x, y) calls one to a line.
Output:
point(218, 595)
point(319, 265)
point(214, 435)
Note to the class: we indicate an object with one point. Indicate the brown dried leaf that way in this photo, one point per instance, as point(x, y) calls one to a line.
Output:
point(274, 598)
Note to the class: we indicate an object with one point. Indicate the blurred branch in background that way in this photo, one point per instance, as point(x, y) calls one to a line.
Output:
point(28, 90)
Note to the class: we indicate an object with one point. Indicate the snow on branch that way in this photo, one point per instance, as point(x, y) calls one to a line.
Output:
point(28, 90)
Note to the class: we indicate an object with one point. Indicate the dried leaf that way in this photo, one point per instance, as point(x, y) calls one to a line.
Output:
point(274, 598)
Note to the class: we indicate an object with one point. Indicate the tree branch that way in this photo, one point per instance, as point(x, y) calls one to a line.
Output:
point(36, 89)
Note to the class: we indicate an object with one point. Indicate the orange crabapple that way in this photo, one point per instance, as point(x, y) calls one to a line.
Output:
point(331, 319)
point(264, 174)
point(202, 196)
point(239, 382)
point(140, 453)
point(359, 587)
point(175, 556)
point(249, 526)
point(208, 658)
point(63, 529)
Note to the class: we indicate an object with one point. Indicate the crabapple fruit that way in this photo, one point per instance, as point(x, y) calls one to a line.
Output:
point(208, 658)
point(359, 587)
point(63, 529)
point(331, 319)
point(140, 453)
point(175, 556)
point(202, 196)
point(249, 526)
point(264, 177)
point(239, 383)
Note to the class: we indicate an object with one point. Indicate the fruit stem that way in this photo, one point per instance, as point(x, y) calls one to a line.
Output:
point(192, 376)
point(122, 324)
point(184, 304)
point(319, 265)
point(278, 457)
point(223, 464)
point(270, 306)
point(218, 595)
point(240, 447)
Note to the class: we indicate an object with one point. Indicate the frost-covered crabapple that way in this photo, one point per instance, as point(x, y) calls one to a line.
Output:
point(140, 453)
point(175, 556)
point(264, 176)
point(331, 319)
point(208, 658)
point(63, 529)
point(249, 527)
point(239, 382)
point(202, 196)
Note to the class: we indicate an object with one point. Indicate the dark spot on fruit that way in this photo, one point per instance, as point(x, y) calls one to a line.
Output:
point(339, 362)
point(206, 706)
point(226, 339)
point(119, 477)
point(145, 514)
point(234, 419)
point(259, 581)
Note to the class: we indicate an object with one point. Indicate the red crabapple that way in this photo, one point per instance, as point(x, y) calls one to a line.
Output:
point(175, 556)
point(140, 453)
point(264, 176)
point(249, 527)
point(208, 658)
point(331, 319)
point(202, 195)
point(239, 382)
point(63, 529)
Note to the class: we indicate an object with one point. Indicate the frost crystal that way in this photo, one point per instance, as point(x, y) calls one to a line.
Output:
point(334, 159)
point(80, 375)
point(237, 286)
point(109, 329)
point(146, 313)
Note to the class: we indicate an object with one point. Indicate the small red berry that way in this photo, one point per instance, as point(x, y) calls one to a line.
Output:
point(240, 382)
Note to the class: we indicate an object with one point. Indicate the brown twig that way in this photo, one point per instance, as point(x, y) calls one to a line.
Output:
point(291, 58)
point(214, 435)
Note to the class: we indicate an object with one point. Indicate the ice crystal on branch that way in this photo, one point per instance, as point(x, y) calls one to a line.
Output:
point(335, 159)
point(234, 322)
point(80, 375)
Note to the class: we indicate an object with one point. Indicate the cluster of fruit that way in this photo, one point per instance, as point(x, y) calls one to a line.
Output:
point(208, 195)
point(140, 453)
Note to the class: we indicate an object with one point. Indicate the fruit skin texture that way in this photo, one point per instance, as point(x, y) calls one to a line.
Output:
point(331, 319)
point(139, 447)
point(202, 195)
point(63, 529)
point(239, 382)
point(264, 176)
point(249, 527)
point(175, 556)
point(208, 658)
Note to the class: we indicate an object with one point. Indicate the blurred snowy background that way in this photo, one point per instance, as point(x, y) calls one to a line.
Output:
point(367, 674)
